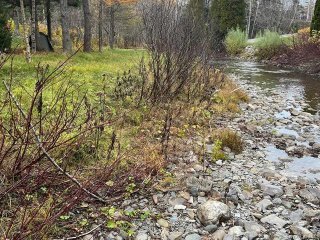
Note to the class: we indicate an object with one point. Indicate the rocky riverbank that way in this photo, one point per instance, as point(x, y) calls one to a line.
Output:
point(269, 191)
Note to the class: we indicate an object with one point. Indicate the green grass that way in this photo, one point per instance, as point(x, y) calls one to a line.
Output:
point(85, 69)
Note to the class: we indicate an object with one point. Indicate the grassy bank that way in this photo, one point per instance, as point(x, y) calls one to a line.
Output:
point(93, 122)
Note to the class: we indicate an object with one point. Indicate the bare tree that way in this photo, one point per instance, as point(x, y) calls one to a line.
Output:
point(25, 34)
point(87, 26)
point(33, 26)
point(66, 40)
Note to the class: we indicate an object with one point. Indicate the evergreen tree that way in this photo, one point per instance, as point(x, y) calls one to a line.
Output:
point(5, 33)
point(315, 25)
point(226, 15)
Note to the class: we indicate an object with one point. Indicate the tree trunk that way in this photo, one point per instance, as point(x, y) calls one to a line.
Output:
point(100, 25)
point(25, 34)
point(66, 39)
point(33, 27)
point(112, 26)
point(48, 18)
point(87, 26)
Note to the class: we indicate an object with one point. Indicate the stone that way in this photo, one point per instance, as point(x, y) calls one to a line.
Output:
point(88, 237)
point(218, 235)
point(302, 232)
point(263, 205)
point(175, 236)
point(212, 211)
point(200, 185)
point(163, 223)
point(271, 190)
point(254, 227)
point(142, 236)
point(211, 228)
point(180, 207)
point(308, 196)
point(193, 236)
point(236, 231)
point(274, 220)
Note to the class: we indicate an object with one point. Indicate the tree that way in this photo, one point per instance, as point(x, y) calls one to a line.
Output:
point(315, 25)
point(87, 26)
point(226, 15)
point(25, 34)
point(5, 34)
point(66, 39)
point(33, 26)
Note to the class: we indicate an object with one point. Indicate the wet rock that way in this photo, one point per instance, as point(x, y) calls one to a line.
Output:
point(211, 212)
point(274, 220)
point(302, 232)
point(269, 189)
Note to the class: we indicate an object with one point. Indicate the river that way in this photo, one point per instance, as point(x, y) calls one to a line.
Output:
point(295, 88)
point(295, 84)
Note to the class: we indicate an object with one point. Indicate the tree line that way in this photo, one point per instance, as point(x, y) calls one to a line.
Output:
point(84, 22)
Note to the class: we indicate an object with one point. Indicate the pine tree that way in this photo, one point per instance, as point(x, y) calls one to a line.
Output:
point(315, 25)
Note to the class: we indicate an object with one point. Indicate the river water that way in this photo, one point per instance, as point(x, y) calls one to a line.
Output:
point(294, 85)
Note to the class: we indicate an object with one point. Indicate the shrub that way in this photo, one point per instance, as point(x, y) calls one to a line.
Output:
point(236, 41)
point(228, 138)
point(5, 35)
point(268, 45)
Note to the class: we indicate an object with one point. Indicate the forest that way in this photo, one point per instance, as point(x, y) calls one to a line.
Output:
point(159, 119)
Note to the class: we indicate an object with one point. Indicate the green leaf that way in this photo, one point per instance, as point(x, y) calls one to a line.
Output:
point(111, 224)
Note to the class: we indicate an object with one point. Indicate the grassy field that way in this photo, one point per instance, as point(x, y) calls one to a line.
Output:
point(84, 68)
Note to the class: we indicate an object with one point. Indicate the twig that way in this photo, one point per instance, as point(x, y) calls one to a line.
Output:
point(82, 235)
point(40, 145)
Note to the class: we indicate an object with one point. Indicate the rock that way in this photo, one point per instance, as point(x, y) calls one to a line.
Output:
point(308, 196)
point(294, 112)
point(212, 211)
point(254, 227)
point(163, 223)
point(88, 237)
point(236, 231)
point(175, 236)
point(142, 236)
point(269, 189)
point(155, 199)
point(218, 235)
point(193, 236)
point(274, 220)
point(302, 232)
point(211, 228)
point(263, 205)
point(296, 216)
point(180, 207)
point(201, 185)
